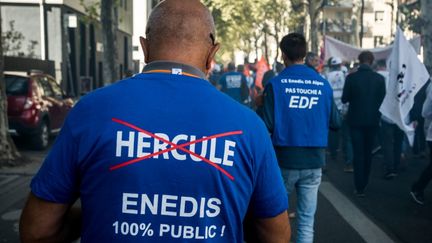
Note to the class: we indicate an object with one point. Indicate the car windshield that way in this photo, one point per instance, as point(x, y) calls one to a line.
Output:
point(16, 85)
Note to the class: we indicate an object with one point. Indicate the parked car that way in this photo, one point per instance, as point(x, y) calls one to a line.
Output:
point(37, 106)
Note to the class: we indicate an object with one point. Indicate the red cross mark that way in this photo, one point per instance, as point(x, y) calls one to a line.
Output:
point(174, 147)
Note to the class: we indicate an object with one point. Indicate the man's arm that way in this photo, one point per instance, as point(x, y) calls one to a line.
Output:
point(43, 221)
point(346, 96)
point(268, 108)
point(273, 230)
point(244, 89)
point(335, 117)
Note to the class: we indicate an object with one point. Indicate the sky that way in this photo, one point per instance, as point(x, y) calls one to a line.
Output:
point(139, 20)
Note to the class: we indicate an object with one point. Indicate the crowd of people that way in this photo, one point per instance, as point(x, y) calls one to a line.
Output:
point(172, 158)
point(355, 125)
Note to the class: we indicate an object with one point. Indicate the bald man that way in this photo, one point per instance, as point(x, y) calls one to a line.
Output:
point(162, 156)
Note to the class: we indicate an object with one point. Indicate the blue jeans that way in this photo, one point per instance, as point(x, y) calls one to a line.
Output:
point(306, 183)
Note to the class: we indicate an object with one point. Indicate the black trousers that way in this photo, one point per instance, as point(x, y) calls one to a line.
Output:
point(391, 142)
point(362, 141)
point(426, 175)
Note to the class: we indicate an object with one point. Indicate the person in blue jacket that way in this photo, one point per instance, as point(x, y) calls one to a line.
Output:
point(168, 159)
point(234, 84)
point(298, 111)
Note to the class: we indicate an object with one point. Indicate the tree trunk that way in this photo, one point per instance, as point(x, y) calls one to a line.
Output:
point(361, 22)
point(8, 151)
point(314, 9)
point(266, 49)
point(109, 19)
point(426, 6)
point(314, 35)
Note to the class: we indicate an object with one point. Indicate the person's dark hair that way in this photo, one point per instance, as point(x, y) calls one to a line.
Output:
point(293, 46)
point(310, 56)
point(231, 66)
point(279, 67)
point(240, 68)
point(366, 57)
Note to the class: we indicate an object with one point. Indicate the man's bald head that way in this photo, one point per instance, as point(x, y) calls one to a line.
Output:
point(179, 31)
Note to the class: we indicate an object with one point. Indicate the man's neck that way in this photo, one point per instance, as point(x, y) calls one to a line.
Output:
point(291, 63)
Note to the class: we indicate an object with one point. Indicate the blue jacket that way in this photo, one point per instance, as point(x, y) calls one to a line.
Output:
point(302, 108)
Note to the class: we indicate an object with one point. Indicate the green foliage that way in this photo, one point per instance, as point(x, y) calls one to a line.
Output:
point(411, 18)
point(92, 12)
point(242, 24)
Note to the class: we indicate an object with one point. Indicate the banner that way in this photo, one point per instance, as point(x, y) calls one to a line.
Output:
point(407, 75)
point(336, 48)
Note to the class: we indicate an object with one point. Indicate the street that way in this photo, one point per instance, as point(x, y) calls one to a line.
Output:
point(386, 214)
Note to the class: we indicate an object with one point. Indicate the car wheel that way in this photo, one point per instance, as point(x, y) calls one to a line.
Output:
point(41, 138)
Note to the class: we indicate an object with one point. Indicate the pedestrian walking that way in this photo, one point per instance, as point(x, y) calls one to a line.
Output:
point(336, 78)
point(234, 84)
point(364, 90)
point(391, 136)
point(298, 110)
point(168, 159)
point(417, 189)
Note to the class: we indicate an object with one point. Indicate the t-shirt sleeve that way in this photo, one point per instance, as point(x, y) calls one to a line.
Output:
point(269, 198)
point(57, 179)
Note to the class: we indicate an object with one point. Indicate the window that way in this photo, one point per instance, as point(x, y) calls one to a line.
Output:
point(55, 88)
point(43, 81)
point(379, 16)
point(16, 85)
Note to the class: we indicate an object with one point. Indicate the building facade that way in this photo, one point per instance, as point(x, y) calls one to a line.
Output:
point(60, 31)
point(142, 11)
point(343, 20)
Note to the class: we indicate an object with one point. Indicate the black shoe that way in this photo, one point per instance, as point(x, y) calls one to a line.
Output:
point(359, 193)
point(390, 175)
point(418, 197)
point(376, 150)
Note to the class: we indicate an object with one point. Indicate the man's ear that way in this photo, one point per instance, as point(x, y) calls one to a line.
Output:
point(145, 47)
point(285, 59)
point(211, 56)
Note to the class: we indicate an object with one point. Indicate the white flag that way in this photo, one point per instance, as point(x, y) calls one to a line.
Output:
point(407, 75)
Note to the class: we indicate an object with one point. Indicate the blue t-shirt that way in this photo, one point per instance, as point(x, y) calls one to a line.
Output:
point(232, 84)
point(162, 158)
point(302, 108)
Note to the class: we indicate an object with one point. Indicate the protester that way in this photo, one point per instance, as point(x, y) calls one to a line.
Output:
point(417, 189)
point(215, 75)
point(298, 110)
point(312, 60)
point(364, 90)
point(234, 84)
point(336, 78)
point(278, 67)
point(175, 195)
point(391, 135)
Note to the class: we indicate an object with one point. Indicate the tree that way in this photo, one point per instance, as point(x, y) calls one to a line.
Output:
point(362, 8)
point(426, 17)
point(8, 152)
point(411, 18)
point(12, 40)
point(109, 18)
point(311, 9)
point(107, 12)
point(314, 8)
